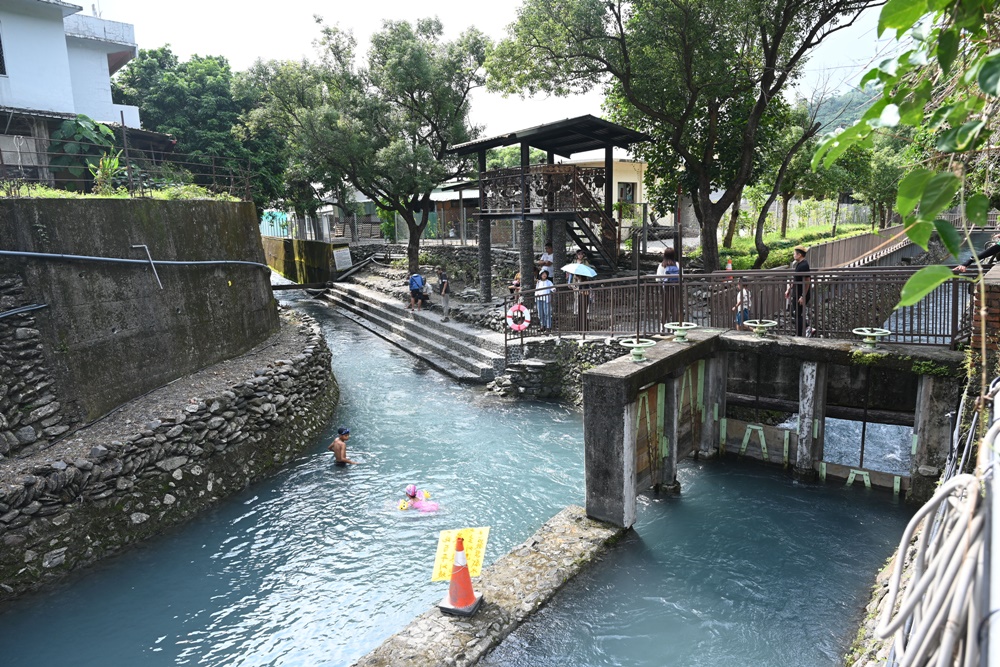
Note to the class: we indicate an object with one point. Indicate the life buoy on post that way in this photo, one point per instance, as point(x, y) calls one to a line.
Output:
point(518, 317)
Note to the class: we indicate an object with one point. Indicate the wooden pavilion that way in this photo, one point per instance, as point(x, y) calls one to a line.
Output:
point(575, 202)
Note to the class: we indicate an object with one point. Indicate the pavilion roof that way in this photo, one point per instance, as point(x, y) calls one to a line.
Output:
point(564, 137)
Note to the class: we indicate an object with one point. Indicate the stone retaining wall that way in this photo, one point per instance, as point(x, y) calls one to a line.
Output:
point(513, 588)
point(552, 368)
point(30, 414)
point(58, 514)
point(867, 649)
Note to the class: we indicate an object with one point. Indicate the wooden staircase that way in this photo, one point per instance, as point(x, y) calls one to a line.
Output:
point(593, 230)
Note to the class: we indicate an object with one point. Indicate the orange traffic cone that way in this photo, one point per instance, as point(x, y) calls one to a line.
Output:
point(461, 600)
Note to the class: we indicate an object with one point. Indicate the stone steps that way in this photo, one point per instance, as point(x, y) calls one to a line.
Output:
point(457, 350)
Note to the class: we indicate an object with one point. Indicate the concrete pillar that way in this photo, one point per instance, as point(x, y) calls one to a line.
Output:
point(936, 397)
point(558, 250)
point(485, 241)
point(526, 252)
point(716, 370)
point(812, 409)
point(671, 432)
point(609, 451)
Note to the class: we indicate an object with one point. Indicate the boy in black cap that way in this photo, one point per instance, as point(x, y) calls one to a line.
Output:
point(339, 447)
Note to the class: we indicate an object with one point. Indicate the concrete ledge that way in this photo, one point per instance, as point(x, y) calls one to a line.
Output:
point(514, 588)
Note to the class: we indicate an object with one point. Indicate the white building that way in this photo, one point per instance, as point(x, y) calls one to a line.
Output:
point(56, 63)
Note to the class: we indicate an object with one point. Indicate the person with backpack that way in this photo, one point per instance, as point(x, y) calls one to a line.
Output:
point(417, 283)
point(742, 307)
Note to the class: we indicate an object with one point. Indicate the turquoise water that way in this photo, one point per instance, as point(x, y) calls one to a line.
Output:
point(317, 566)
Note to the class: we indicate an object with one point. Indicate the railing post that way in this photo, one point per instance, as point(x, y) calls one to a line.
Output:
point(128, 160)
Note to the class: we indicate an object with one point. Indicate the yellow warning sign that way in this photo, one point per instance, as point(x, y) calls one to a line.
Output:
point(474, 544)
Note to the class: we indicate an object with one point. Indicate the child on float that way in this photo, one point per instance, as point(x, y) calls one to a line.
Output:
point(417, 499)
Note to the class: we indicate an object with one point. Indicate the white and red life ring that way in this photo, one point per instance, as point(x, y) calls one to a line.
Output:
point(518, 317)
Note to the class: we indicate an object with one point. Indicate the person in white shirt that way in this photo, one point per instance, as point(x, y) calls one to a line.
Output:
point(543, 290)
point(544, 262)
point(742, 307)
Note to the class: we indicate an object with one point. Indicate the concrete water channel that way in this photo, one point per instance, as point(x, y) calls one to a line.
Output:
point(317, 566)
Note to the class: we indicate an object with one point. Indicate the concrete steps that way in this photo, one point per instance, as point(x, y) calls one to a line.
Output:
point(458, 350)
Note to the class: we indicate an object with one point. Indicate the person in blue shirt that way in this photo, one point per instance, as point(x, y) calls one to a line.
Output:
point(416, 291)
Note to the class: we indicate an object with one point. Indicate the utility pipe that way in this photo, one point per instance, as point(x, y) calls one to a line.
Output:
point(119, 260)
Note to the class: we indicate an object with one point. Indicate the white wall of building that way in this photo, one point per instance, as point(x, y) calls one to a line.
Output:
point(35, 54)
point(61, 64)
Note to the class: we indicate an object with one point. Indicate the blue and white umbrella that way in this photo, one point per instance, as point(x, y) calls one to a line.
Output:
point(578, 269)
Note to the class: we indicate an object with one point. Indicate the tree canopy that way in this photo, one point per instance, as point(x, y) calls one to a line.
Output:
point(382, 127)
point(704, 79)
point(195, 101)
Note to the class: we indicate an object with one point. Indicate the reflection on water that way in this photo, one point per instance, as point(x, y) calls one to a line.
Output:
point(317, 566)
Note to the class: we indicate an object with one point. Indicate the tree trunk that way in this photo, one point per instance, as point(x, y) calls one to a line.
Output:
point(758, 240)
point(710, 240)
point(733, 219)
point(784, 215)
point(413, 243)
point(836, 217)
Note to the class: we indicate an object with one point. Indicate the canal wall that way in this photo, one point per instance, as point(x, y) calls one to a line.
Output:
point(163, 458)
point(514, 588)
point(111, 331)
point(300, 260)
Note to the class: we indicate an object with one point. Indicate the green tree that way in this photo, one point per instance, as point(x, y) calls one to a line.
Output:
point(947, 87)
point(510, 156)
point(384, 128)
point(704, 79)
point(198, 103)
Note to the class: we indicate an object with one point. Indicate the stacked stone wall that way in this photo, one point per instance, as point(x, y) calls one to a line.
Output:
point(30, 414)
point(553, 368)
point(60, 513)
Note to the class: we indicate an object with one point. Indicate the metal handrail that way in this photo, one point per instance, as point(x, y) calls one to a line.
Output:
point(840, 301)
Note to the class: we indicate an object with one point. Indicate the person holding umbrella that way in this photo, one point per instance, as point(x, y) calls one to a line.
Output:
point(576, 273)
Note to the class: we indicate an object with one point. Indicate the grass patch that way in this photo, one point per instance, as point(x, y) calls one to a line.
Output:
point(186, 191)
point(744, 252)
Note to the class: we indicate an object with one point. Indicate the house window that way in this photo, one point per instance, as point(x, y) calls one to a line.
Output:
point(3, 64)
point(626, 192)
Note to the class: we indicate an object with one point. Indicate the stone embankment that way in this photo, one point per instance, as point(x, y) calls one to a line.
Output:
point(515, 587)
point(30, 414)
point(552, 368)
point(159, 460)
point(868, 650)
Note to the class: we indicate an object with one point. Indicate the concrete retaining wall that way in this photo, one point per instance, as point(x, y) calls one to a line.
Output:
point(513, 588)
point(58, 513)
point(110, 333)
point(300, 260)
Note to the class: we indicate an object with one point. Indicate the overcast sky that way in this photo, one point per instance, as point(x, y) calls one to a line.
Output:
point(285, 29)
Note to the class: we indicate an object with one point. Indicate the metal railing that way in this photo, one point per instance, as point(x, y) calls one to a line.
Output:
point(855, 249)
point(840, 300)
point(26, 162)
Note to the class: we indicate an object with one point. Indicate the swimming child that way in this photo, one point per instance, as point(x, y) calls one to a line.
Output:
point(418, 499)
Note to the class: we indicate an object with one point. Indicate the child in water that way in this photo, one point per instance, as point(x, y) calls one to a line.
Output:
point(418, 499)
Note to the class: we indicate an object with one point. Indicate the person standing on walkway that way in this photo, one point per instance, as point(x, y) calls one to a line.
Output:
point(416, 291)
point(339, 448)
point(443, 289)
point(742, 307)
point(543, 299)
point(544, 262)
point(669, 273)
point(802, 285)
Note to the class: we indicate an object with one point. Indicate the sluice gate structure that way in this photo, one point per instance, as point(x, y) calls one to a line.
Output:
point(701, 397)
